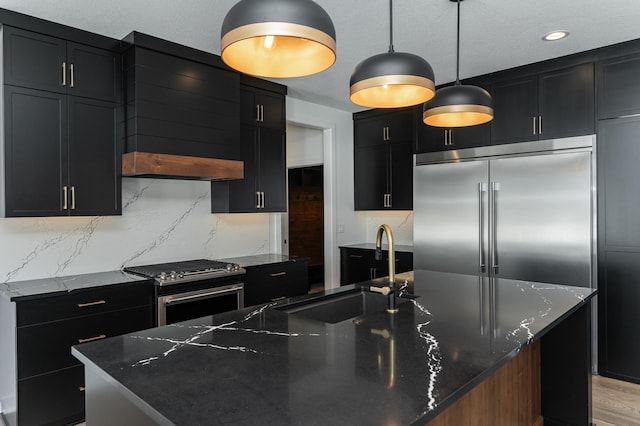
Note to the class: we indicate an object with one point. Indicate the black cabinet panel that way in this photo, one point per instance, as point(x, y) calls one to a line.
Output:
point(371, 166)
point(566, 102)
point(383, 160)
point(619, 86)
point(618, 174)
point(266, 283)
point(94, 73)
point(56, 338)
point(619, 316)
point(35, 154)
point(358, 264)
point(34, 60)
point(52, 399)
point(83, 302)
point(401, 175)
point(263, 147)
point(272, 170)
point(94, 157)
point(515, 106)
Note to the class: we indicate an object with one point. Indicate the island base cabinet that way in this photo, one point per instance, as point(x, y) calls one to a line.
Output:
point(58, 395)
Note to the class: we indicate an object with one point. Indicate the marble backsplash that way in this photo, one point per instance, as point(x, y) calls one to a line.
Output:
point(162, 220)
point(400, 222)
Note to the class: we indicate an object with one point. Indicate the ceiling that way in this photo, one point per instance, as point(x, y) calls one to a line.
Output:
point(495, 34)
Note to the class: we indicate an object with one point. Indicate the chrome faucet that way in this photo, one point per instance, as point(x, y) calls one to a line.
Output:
point(390, 289)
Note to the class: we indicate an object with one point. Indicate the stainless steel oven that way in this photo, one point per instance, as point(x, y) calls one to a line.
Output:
point(193, 289)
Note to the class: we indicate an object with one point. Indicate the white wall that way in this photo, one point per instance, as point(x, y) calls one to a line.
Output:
point(304, 146)
point(162, 220)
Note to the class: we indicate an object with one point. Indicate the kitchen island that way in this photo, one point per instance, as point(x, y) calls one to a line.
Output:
point(266, 366)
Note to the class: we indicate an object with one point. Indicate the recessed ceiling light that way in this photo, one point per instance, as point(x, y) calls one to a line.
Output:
point(555, 35)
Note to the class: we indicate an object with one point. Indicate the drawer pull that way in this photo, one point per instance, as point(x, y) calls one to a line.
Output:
point(82, 388)
point(97, 302)
point(356, 256)
point(278, 298)
point(91, 339)
point(278, 274)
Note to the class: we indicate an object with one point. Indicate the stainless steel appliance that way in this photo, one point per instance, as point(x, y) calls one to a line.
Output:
point(522, 211)
point(193, 288)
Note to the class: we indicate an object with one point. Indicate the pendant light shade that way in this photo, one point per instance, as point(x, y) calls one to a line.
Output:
point(458, 105)
point(392, 79)
point(278, 38)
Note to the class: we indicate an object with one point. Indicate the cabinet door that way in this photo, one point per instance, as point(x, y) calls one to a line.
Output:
point(396, 125)
point(472, 136)
point(356, 265)
point(401, 175)
point(430, 138)
point(249, 107)
point(566, 102)
point(34, 60)
point(35, 152)
point(242, 193)
point(619, 87)
point(404, 262)
point(52, 399)
point(515, 105)
point(94, 73)
point(369, 131)
point(273, 110)
point(94, 158)
point(370, 177)
point(267, 283)
point(272, 170)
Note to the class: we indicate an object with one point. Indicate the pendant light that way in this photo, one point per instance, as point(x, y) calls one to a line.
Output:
point(392, 79)
point(458, 105)
point(278, 38)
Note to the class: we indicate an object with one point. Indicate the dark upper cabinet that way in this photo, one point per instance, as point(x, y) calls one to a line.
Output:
point(383, 160)
point(68, 164)
point(48, 63)
point(550, 105)
point(180, 106)
point(262, 108)
point(263, 147)
point(618, 86)
point(433, 139)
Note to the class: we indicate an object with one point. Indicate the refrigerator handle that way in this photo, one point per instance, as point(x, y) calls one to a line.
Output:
point(495, 187)
point(482, 188)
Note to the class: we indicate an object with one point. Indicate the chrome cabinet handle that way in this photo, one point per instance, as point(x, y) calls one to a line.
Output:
point(71, 72)
point(534, 125)
point(356, 256)
point(257, 200)
point(261, 113)
point(539, 124)
point(64, 197)
point(258, 112)
point(73, 197)
point(262, 200)
point(91, 339)
point(81, 388)
point(97, 302)
point(481, 190)
point(64, 73)
point(277, 274)
point(495, 187)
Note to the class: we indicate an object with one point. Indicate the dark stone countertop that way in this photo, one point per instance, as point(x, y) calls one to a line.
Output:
point(262, 259)
point(15, 290)
point(263, 366)
point(372, 246)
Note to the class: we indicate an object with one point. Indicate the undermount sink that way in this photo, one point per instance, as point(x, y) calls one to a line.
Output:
point(339, 307)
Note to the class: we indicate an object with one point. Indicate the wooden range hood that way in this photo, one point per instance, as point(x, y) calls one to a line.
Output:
point(168, 166)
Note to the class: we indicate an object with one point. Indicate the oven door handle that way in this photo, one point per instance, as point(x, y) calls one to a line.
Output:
point(197, 295)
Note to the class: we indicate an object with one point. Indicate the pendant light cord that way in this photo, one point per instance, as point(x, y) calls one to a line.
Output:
point(458, 48)
point(391, 26)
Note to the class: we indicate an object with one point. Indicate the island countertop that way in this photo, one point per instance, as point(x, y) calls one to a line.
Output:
point(262, 365)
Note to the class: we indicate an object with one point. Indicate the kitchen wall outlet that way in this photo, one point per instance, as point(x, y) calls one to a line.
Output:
point(340, 229)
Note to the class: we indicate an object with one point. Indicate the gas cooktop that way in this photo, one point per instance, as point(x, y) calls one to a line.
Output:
point(186, 271)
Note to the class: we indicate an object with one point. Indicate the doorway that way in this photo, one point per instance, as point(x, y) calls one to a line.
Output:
point(306, 220)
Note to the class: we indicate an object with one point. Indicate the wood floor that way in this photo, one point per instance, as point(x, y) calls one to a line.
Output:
point(615, 403)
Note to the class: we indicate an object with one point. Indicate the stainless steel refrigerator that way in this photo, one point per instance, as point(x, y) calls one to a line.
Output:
point(522, 211)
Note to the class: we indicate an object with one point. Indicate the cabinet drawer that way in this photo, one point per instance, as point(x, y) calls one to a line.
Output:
point(47, 347)
point(83, 302)
point(52, 399)
point(264, 284)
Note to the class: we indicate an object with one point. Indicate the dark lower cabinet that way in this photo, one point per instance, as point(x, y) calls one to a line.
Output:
point(268, 283)
point(50, 381)
point(619, 248)
point(359, 264)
